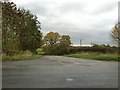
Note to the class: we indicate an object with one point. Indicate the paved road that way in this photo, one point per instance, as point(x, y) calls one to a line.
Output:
point(60, 72)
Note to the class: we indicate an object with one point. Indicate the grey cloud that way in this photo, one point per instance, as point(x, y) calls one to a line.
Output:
point(88, 35)
point(105, 8)
point(119, 12)
point(36, 8)
point(94, 29)
point(72, 7)
point(97, 33)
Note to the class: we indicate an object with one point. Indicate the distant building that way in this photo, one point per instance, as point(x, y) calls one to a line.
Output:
point(75, 45)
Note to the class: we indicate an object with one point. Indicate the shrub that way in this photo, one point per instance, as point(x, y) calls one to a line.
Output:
point(93, 49)
point(55, 50)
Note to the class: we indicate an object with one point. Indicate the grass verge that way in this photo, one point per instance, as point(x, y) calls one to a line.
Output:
point(18, 57)
point(96, 56)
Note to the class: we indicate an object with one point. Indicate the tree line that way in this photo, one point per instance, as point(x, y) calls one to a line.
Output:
point(20, 29)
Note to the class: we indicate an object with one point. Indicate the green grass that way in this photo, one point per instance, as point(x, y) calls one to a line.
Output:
point(96, 56)
point(18, 57)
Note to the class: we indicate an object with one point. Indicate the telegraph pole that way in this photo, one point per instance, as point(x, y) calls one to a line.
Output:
point(91, 44)
point(80, 42)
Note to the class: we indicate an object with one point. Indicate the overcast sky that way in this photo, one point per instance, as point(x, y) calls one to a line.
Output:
point(90, 20)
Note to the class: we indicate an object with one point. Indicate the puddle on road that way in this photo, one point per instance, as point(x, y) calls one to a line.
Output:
point(80, 64)
point(69, 79)
point(76, 63)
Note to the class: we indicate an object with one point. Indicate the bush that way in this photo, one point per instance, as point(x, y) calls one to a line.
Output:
point(55, 50)
point(62, 49)
point(93, 49)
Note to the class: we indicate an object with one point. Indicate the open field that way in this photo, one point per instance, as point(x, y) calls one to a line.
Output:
point(96, 56)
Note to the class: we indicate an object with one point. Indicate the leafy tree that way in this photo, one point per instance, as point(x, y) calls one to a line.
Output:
point(52, 38)
point(20, 29)
point(115, 33)
point(0, 16)
point(9, 37)
point(56, 44)
point(65, 43)
point(65, 40)
point(30, 35)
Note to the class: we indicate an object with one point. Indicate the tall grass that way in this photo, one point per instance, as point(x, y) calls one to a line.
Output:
point(96, 56)
point(21, 56)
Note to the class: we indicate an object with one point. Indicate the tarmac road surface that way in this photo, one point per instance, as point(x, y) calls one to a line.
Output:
point(60, 72)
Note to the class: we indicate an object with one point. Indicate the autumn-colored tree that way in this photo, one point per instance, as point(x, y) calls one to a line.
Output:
point(116, 33)
point(56, 44)
point(52, 38)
